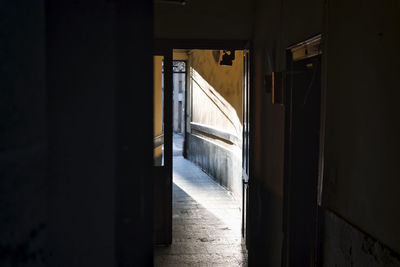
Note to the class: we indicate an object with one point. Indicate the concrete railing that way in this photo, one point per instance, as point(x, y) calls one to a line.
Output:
point(158, 140)
point(218, 133)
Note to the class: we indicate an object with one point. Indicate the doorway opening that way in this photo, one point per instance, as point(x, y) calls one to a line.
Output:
point(302, 153)
point(207, 186)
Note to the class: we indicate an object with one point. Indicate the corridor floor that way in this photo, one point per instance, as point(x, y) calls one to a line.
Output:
point(206, 222)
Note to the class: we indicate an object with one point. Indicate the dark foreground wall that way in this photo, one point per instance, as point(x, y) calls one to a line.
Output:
point(81, 126)
point(100, 191)
point(75, 185)
point(23, 134)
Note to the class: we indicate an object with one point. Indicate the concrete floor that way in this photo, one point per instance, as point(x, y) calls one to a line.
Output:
point(177, 144)
point(206, 221)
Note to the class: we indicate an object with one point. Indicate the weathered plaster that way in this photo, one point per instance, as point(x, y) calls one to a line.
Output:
point(346, 246)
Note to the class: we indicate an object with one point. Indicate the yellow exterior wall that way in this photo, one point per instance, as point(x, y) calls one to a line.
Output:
point(157, 107)
point(180, 54)
point(222, 107)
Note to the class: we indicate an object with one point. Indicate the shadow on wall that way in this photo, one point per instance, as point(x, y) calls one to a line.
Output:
point(215, 137)
point(210, 108)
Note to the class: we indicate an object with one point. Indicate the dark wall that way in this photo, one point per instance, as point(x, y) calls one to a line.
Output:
point(23, 137)
point(75, 183)
point(203, 19)
point(134, 214)
point(358, 83)
point(99, 80)
point(266, 179)
point(361, 145)
point(345, 245)
point(277, 25)
point(81, 88)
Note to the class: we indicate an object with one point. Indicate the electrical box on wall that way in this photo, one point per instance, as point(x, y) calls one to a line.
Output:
point(274, 85)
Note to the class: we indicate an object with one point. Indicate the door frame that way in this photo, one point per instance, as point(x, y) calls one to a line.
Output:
point(162, 175)
point(163, 45)
point(246, 140)
point(288, 188)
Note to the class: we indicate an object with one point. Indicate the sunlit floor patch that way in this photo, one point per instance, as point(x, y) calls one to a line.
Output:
point(206, 222)
point(208, 194)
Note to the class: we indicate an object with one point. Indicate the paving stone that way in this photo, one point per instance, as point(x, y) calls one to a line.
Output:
point(206, 222)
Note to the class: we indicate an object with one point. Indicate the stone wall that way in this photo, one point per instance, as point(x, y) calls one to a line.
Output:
point(216, 93)
point(222, 162)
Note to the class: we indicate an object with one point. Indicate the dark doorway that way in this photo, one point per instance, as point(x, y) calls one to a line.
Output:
point(303, 102)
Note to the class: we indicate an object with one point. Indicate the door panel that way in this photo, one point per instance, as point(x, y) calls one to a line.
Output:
point(162, 170)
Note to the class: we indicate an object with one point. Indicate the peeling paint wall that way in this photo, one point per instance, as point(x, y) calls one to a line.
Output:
point(346, 246)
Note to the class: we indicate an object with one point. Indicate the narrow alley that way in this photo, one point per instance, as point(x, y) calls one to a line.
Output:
point(206, 220)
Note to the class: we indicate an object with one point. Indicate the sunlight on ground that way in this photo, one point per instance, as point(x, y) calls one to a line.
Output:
point(227, 211)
